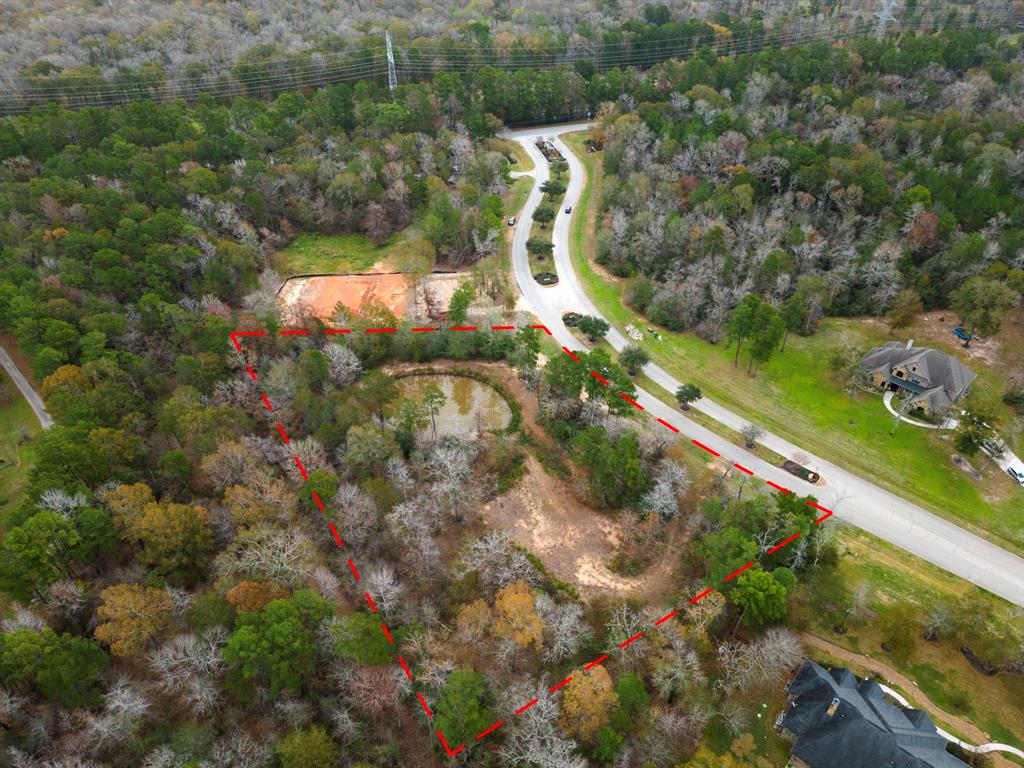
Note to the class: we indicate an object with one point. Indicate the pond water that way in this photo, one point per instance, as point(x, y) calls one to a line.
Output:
point(470, 406)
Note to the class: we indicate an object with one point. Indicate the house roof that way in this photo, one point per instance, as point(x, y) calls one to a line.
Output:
point(843, 722)
point(947, 378)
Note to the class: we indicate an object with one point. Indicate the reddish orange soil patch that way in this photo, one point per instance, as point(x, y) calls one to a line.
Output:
point(321, 295)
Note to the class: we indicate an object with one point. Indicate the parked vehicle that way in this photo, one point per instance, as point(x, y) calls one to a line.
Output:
point(802, 472)
point(1017, 476)
point(568, 209)
point(511, 221)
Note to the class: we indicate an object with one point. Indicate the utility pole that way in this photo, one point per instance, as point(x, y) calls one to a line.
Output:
point(885, 14)
point(392, 75)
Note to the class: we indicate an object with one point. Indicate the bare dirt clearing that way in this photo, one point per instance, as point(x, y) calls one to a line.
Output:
point(321, 294)
point(573, 540)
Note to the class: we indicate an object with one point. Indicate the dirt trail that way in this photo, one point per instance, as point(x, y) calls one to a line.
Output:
point(908, 687)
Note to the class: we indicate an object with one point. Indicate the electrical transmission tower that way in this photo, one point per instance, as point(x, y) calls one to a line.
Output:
point(392, 75)
point(885, 14)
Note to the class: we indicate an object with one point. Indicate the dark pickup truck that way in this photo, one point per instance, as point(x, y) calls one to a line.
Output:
point(802, 472)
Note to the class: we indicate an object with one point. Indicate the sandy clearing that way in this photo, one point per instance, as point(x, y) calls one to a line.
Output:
point(573, 540)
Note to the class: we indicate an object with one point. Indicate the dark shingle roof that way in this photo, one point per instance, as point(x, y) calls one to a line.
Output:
point(947, 377)
point(841, 722)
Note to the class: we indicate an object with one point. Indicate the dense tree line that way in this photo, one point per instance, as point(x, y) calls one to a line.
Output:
point(821, 178)
point(173, 595)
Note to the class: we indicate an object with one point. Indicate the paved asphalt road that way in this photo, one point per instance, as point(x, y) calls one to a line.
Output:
point(26, 389)
point(852, 498)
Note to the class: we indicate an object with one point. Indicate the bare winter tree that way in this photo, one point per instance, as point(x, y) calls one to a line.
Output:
point(357, 515)
point(497, 562)
point(564, 627)
point(677, 669)
point(239, 748)
point(743, 664)
point(381, 581)
point(343, 364)
point(670, 482)
point(534, 737)
point(269, 553)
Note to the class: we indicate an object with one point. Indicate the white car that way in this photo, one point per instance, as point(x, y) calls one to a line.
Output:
point(511, 221)
point(1016, 475)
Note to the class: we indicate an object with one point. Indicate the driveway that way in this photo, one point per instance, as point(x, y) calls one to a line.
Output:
point(852, 498)
point(894, 676)
point(26, 390)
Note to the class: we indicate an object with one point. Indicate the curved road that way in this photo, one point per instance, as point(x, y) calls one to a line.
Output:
point(27, 392)
point(852, 498)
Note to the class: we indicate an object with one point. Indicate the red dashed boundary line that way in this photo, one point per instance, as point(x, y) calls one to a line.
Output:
point(450, 750)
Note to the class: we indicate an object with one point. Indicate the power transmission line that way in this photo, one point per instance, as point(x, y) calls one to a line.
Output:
point(319, 74)
point(392, 75)
point(885, 14)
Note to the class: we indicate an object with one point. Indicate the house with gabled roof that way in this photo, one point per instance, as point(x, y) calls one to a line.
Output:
point(838, 721)
point(932, 380)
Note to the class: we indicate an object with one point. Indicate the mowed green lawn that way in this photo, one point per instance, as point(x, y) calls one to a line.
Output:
point(312, 254)
point(16, 420)
point(995, 704)
point(507, 147)
point(794, 396)
point(515, 197)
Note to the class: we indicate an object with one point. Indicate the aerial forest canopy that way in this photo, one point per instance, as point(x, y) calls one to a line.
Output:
point(193, 613)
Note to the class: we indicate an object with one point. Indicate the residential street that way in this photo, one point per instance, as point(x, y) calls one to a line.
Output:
point(852, 498)
point(26, 390)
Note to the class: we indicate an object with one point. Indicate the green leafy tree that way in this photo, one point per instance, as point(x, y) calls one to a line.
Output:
point(376, 392)
point(615, 473)
point(538, 246)
point(981, 304)
point(35, 554)
point(905, 307)
point(725, 551)
point(544, 214)
point(769, 328)
point(742, 322)
point(176, 541)
point(633, 359)
point(368, 448)
point(761, 598)
point(70, 668)
point(593, 327)
point(973, 431)
point(321, 481)
point(409, 417)
point(619, 383)
point(686, 394)
point(307, 748)
point(553, 187)
point(277, 646)
point(460, 301)
point(463, 710)
point(313, 369)
point(899, 625)
point(794, 315)
point(434, 400)
point(359, 636)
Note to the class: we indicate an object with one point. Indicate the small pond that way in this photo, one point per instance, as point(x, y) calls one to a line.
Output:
point(470, 406)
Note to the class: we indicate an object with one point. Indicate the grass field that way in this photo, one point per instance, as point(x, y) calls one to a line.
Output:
point(523, 160)
point(516, 196)
point(313, 254)
point(794, 396)
point(994, 704)
point(16, 420)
